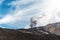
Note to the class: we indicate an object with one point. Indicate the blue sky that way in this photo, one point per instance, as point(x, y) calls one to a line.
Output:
point(15, 14)
point(12, 13)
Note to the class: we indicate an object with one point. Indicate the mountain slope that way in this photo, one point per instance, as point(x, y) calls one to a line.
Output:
point(9, 34)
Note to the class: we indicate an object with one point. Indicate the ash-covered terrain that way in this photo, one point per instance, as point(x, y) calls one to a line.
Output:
point(36, 33)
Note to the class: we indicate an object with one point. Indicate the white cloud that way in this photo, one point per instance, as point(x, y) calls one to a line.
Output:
point(49, 8)
point(13, 16)
point(1, 1)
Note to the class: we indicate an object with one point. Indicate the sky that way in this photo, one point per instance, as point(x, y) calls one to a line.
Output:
point(16, 14)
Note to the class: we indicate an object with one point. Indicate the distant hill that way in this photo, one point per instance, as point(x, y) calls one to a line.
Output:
point(9, 34)
point(53, 28)
point(49, 29)
point(36, 33)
